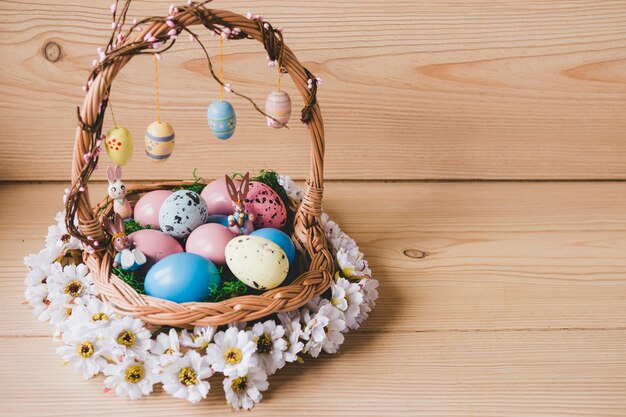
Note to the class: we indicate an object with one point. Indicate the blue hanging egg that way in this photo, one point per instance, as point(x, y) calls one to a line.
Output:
point(222, 120)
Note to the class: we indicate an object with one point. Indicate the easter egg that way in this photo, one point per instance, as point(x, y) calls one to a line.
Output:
point(280, 238)
point(119, 145)
point(209, 241)
point(159, 141)
point(182, 277)
point(278, 105)
point(257, 262)
point(155, 244)
point(181, 213)
point(266, 205)
point(148, 206)
point(218, 218)
point(216, 196)
point(222, 120)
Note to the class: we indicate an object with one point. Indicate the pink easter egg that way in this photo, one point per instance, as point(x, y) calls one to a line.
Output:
point(155, 244)
point(209, 241)
point(266, 205)
point(217, 199)
point(147, 208)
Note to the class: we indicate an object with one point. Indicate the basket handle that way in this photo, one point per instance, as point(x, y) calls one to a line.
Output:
point(91, 115)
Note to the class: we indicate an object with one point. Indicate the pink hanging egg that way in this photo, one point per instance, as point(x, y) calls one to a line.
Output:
point(155, 244)
point(278, 105)
point(148, 206)
point(216, 196)
point(209, 241)
point(266, 205)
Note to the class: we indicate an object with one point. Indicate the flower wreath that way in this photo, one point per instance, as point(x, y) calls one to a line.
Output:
point(134, 356)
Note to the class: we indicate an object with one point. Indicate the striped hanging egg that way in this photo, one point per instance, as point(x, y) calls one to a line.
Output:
point(222, 119)
point(159, 141)
point(278, 105)
point(119, 145)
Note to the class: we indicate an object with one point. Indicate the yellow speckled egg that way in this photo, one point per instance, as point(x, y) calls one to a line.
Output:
point(119, 145)
point(278, 105)
point(159, 141)
point(257, 262)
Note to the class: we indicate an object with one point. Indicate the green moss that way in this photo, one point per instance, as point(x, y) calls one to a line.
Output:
point(132, 279)
point(198, 184)
point(132, 226)
point(229, 287)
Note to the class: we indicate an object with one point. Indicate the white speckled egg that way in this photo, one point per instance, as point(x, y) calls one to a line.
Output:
point(257, 262)
point(181, 213)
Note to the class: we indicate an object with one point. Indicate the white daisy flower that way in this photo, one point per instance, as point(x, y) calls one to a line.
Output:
point(84, 354)
point(58, 239)
point(37, 297)
point(324, 330)
point(231, 352)
point(186, 377)
point(73, 280)
point(199, 339)
point(166, 347)
point(352, 264)
point(89, 319)
point(131, 378)
point(60, 308)
point(291, 188)
point(293, 331)
point(127, 338)
point(40, 267)
point(270, 345)
point(244, 391)
point(348, 298)
point(370, 294)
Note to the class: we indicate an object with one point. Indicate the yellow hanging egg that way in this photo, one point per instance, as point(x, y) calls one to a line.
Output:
point(278, 105)
point(159, 141)
point(119, 145)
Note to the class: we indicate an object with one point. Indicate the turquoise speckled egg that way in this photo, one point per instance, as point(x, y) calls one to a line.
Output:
point(222, 120)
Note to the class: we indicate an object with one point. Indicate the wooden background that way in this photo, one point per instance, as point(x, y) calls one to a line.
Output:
point(476, 151)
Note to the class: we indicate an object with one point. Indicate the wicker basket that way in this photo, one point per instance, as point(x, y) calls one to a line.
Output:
point(308, 234)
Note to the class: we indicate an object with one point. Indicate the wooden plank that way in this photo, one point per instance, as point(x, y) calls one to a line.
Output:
point(450, 256)
point(512, 373)
point(412, 90)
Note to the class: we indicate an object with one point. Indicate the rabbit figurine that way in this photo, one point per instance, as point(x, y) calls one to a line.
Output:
point(129, 259)
point(240, 222)
point(117, 191)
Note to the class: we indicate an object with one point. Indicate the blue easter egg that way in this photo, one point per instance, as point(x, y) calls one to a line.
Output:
point(222, 120)
point(280, 238)
point(218, 218)
point(182, 277)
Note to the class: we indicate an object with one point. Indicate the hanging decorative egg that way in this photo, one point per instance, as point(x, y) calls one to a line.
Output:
point(159, 141)
point(222, 120)
point(278, 105)
point(119, 145)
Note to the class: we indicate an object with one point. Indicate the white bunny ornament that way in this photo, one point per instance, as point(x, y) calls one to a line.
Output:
point(117, 192)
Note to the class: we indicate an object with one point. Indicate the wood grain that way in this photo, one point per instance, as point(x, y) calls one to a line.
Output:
point(412, 90)
point(496, 299)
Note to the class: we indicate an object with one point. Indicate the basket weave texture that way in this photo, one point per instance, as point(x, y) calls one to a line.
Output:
point(308, 235)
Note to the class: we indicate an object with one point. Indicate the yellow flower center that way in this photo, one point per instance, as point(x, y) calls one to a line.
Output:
point(264, 344)
point(134, 373)
point(68, 311)
point(73, 288)
point(126, 338)
point(240, 384)
point(334, 301)
point(99, 316)
point(85, 349)
point(233, 356)
point(188, 376)
point(169, 351)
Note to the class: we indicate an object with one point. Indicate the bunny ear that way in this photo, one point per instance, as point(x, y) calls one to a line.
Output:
point(119, 223)
point(232, 189)
point(118, 173)
point(108, 225)
point(245, 187)
point(110, 175)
